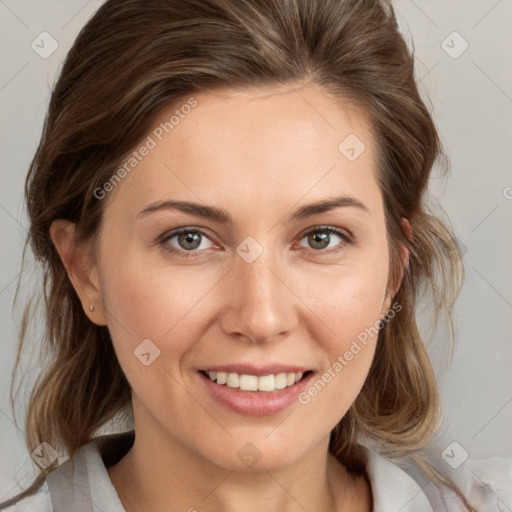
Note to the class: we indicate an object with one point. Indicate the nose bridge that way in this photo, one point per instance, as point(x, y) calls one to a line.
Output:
point(261, 307)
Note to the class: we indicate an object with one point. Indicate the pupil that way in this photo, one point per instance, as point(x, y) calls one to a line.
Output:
point(189, 238)
point(319, 240)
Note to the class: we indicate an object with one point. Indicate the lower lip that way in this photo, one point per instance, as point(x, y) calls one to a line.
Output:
point(255, 403)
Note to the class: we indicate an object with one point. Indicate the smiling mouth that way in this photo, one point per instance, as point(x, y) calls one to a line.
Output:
point(264, 383)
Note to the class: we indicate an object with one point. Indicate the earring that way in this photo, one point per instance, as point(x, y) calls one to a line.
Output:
point(91, 308)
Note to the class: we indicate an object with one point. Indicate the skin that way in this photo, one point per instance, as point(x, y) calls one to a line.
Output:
point(259, 154)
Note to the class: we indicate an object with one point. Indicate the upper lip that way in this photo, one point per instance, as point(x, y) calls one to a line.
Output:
point(249, 369)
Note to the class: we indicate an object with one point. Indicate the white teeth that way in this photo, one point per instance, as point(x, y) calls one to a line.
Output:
point(247, 382)
point(233, 380)
point(280, 381)
point(266, 383)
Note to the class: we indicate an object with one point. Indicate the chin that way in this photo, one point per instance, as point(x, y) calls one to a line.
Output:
point(255, 453)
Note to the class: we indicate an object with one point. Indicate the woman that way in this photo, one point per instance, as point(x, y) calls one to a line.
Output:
point(228, 203)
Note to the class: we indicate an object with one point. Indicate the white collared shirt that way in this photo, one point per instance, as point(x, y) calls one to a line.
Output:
point(487, 484)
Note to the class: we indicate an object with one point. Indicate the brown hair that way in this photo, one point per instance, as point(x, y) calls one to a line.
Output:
point(135, 57)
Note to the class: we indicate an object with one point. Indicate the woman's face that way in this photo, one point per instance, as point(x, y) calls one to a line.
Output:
point(256, 294)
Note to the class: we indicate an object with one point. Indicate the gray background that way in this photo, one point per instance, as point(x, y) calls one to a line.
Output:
point(471, 98)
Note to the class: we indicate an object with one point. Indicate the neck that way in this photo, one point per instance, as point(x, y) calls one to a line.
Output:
point(160, 472)
point(151, 478)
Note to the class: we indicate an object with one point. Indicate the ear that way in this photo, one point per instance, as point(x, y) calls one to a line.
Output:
point(78, 262)
point(404, 256)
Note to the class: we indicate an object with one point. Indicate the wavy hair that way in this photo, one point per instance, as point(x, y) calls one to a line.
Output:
point(136, 57)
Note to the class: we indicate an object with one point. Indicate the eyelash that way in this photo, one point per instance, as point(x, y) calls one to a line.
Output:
point(347, 240)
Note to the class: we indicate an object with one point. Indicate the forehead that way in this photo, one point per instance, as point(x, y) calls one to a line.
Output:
point(262, 122)
point(273, 142)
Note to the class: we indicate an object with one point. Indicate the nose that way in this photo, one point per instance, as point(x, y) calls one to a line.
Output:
point(260, 305)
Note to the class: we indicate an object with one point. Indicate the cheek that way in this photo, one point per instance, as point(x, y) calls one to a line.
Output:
point(146, 303)
point(349, 352)
point(352, 303)
point(162, 304)
point(351, 310)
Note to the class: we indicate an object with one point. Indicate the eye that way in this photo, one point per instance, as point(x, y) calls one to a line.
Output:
point(320, 238)
point(187, 240)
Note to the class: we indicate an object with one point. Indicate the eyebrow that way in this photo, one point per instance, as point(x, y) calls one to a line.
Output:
point(220, 215)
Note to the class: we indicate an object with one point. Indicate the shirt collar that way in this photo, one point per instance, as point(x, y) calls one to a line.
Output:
point(393, 489)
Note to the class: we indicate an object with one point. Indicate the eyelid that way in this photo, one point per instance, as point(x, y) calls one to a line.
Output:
point(343, 233)
point(183, 229)
point(347, 237)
